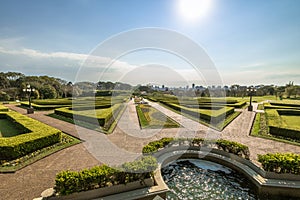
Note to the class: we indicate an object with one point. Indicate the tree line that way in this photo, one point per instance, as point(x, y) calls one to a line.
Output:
point(13, 83)
point(45, 87)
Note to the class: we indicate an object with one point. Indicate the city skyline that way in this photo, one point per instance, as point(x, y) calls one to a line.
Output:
point(250, 43)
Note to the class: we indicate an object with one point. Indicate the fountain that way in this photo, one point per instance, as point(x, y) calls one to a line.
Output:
point(200, 179)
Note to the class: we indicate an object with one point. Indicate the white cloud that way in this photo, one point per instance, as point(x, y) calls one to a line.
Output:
point(63, 64)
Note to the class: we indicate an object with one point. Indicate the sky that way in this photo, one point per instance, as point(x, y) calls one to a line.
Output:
point(249, 42)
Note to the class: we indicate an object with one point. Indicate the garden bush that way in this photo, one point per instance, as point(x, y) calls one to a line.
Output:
point(36, 136)
point(228, 146)
point(154, 146)
point(281, 162)
point(234, 147)
point(67, 182)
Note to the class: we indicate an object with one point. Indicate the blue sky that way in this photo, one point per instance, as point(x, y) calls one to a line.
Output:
point(250, 42)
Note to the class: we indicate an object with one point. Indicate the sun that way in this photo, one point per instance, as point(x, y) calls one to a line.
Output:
point(192, 10)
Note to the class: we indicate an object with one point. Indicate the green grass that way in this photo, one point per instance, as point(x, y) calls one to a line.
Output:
point(218, 126)
point(17, 164)
point(8, 128)
point(151, 118)
point(90, 125)
point(254, 98)
point(260, 107)
point(291, 121)
point(260, 129)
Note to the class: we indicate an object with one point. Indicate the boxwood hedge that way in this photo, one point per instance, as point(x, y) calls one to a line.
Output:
point(103, 117)
point(36, 136)
point(228, 146)
point(68, 182)
point(205, 114)
point(281, 162)
point(278, 127)
point(3, 109)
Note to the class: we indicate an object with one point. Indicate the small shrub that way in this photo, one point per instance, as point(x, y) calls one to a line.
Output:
point(154, 146)
point(67, 182)
point(228, 146)
point(281, 162)
point(234, 147)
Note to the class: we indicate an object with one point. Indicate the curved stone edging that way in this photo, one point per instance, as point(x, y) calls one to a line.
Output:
point(268, 184)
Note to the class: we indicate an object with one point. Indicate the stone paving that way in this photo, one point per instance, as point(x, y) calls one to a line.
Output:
point(124, 144)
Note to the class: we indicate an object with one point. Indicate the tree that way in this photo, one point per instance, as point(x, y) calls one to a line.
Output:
point(4, 82)
point(48, 92)
point(290, 89)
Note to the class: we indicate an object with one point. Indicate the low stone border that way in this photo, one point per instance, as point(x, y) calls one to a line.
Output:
point(133, 190)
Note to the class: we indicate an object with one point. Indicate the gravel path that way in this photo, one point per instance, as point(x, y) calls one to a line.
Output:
point(124, 144)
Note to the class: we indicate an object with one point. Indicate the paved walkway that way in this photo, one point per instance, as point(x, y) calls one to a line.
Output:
point(124, 144)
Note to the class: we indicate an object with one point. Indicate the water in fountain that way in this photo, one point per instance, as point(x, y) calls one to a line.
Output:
point(199, 179)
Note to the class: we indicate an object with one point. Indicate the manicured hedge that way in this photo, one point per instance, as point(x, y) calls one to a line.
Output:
point(278, 127)
point(52, 101)
point(285, 104)
point(228, 146)
point(281, 106)
point(3, 109)
point(68, 182)
point(103, 117)
point(281, 162)
point(37, 136)
point(206, 115)
point(42, 107)
point(284, 132)
point(288, 112)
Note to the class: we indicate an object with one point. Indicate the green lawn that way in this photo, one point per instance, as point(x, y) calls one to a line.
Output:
point(254, 98)
point(150, 117)
point(291, 121)
point(8, 128)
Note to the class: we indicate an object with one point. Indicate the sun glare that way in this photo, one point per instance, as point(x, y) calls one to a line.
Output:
point(192, 10)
